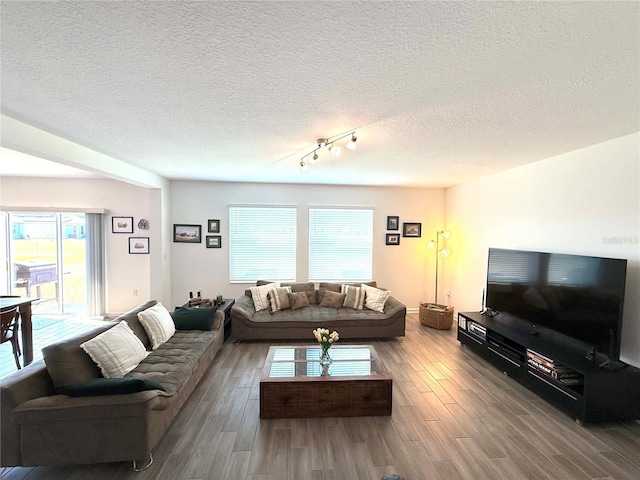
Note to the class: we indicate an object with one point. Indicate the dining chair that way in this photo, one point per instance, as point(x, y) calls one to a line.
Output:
point(9, 333)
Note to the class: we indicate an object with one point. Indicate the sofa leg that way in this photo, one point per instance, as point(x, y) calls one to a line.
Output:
point(147, 464)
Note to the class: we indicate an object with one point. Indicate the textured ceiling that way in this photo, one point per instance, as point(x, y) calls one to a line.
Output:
point(439, 92)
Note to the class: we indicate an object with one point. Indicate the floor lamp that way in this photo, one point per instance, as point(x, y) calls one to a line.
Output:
point(440, 252)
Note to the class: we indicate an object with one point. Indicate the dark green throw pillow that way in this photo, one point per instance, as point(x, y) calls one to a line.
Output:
point(191, 318)
point(109, 386)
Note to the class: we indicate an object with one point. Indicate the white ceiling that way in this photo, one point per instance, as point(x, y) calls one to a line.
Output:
point(439, 92)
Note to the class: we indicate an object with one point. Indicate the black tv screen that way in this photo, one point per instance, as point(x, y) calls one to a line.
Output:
point(579, 296)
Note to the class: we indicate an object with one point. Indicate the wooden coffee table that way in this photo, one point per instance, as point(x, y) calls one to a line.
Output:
point(292, 384)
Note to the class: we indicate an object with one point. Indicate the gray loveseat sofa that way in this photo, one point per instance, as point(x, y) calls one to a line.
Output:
point(247, 324)
point(40, 427)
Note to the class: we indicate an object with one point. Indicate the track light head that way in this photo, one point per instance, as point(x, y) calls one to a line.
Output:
point(314, 158)
point(335, 151)
point(351, 144)
point(303, 166)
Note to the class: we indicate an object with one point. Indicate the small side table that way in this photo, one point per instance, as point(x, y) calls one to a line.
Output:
point(226, 308)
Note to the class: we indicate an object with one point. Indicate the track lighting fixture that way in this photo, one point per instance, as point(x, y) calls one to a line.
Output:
point(351, 144)
point(305, 163)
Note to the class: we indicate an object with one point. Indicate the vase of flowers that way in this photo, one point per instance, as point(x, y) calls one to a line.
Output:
point(325, 339)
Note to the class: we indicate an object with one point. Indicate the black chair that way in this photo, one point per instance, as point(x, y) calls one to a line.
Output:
point(9, 333)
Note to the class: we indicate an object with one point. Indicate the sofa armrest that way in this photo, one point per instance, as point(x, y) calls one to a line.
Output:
point(57, 408)
point(393, 306)
point(31, 382)
point(218, 321)
point(243, 307)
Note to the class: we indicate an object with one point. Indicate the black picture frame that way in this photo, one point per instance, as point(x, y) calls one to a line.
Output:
point(139, 245)
point(412, 229)
point(121, 224)
point(213, 226)
point(187, 233)
point(393, 239)
point(393, 223)
point(214, 241)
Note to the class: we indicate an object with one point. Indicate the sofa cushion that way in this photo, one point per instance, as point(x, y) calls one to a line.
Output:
point(374, 298)
point(333, 299)
point(337, 287)
point(191, 318)
point(172, 363)
point(307, 287)
point(132, 320)
point(158, 324)
point(259, 295)
point(278, 299)
point(298, 300)
point(109, 386)
point(116, 351)
point(353, 297)
point(67, 363)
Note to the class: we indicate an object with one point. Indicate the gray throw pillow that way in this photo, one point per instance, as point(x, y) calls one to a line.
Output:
point(333, 299)
point(298, 300)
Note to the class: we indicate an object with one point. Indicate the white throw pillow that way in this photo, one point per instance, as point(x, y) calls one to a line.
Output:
point(116, 351)
point(158, 324)
point(279, 299)
point(259, 295)
point(374, 298)
point(354, 296)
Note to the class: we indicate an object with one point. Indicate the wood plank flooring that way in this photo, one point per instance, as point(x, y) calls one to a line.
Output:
point(454, 417)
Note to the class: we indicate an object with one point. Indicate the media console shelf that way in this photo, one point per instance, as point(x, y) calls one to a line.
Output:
point(555, 367)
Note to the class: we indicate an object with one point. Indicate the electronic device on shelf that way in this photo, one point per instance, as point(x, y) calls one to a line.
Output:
point(476, 329)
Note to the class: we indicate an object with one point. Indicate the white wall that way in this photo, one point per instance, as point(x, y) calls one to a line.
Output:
point(406, 269)
point(584, 202)
point(124, 272)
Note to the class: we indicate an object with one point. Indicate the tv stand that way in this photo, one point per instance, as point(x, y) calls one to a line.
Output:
point(583, 383)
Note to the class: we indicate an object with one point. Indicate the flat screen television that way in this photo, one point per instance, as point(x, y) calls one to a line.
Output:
point(578, 296)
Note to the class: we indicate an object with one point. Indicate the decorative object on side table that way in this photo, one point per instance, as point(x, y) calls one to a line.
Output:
point(325, 339)
point(218, 301)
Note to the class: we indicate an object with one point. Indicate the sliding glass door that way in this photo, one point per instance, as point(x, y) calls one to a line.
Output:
point(47, 260)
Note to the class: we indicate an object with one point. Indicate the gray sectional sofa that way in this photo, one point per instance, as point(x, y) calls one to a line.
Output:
point(247, 324)
point(41, 427)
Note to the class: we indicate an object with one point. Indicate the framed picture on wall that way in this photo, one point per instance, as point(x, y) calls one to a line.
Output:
point(393, 223)
point(213, 226)
point(121, 224)
point(393, 239)
point(139, 245)
point(183, 233)
point(412, 230)
point(214, 241)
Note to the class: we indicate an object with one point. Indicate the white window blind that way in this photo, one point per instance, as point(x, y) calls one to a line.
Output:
point(262, 243)
point(340, 244)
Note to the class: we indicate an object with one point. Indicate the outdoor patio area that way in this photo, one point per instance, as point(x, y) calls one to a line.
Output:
point(46, 330)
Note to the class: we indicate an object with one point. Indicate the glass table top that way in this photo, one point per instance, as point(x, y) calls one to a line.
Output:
point(348, 361)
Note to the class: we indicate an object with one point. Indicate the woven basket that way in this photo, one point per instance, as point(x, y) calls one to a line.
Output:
point(440, 319)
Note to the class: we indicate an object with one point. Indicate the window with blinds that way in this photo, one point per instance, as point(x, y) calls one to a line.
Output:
point(262, 244)
point(340, 244)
